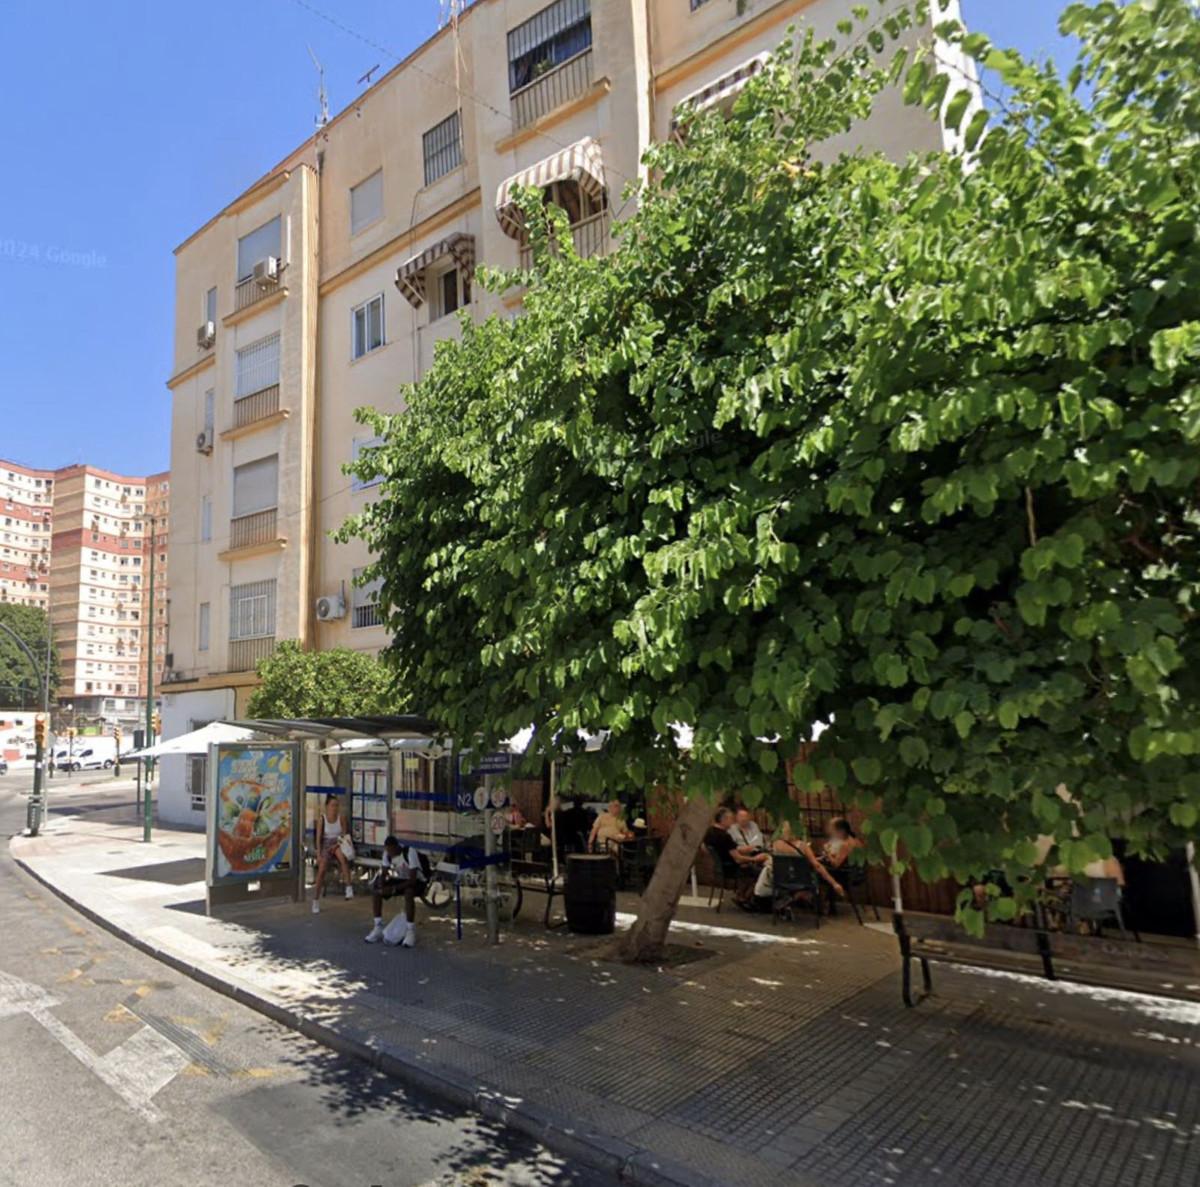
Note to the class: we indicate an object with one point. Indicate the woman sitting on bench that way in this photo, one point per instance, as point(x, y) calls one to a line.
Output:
point(331, 828)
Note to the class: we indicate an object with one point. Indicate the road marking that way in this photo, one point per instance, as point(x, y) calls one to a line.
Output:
point(140, 1067)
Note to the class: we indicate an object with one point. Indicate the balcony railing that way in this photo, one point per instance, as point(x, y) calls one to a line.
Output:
point(256, 406)
point(248, 530)
point(552, 89)
point(244, 654)
point(250, 292)
point(590, 236)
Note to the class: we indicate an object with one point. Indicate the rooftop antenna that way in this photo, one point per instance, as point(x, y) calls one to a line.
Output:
point(322, 97)
point(367, 77)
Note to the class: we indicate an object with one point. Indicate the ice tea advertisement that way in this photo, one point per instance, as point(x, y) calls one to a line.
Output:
point(255, 803)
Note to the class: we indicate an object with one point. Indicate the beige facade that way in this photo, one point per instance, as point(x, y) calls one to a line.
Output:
point(380, 218)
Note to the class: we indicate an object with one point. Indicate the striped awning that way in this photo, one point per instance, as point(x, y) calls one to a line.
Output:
point(723, 91)
point(581, 162)
point(410, 276)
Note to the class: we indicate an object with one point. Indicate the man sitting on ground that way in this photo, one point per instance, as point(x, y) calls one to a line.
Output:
point(402, 873)
point(746, 832)
point(720, 840)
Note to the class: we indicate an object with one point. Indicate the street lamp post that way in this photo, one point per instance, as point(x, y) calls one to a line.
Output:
point(147, 813)
point(33, 812)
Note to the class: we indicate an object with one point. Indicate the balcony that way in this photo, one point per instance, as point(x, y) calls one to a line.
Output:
point(552, 89)
point(250, 291)
point(245, 654)
point(590, 236)
point(256, 406)
point(249, 530)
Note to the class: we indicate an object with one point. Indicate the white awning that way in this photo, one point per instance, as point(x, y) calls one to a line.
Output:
point(197, 742)
point(723, 91)
point(582, 162)
point(410, 276)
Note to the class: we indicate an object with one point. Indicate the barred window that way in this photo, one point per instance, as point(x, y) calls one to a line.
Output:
point(252, 610)
point(258, 366)
point(442, 146)
point(558, 32)
point(366, 599)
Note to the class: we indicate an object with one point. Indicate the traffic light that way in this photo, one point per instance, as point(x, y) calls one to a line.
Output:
point(117, 736)
point(157, 722)
point(40, 731)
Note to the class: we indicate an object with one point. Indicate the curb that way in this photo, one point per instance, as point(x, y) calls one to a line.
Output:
point(626, 1162)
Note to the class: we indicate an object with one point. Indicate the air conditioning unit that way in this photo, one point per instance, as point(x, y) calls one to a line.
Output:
point(204, 441)
point(206, 335)
point(330, 608)
point(266, 272)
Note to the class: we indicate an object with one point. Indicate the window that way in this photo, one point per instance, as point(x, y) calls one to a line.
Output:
point(255, 486)
point(367, 327)
point(365, 611)
point(210, 404)
point(361, 443)
point(258, 366)
point(203, 626)
point(366, 202)
point(197, 782)
point(548, 39)
point(260, 243)
point(210, 306)
point(205, 518)
point(448, 292)
point(252, 610)
point(442, 148)
point(697, 4)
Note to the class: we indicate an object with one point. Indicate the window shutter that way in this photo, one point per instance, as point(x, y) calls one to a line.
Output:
point(261, 242)
point(366, 202)
point(255, 486)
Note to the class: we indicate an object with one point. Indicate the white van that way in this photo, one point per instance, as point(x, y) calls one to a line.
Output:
point(88, 754)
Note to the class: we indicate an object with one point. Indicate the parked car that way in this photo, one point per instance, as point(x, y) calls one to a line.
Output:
point(3, 765)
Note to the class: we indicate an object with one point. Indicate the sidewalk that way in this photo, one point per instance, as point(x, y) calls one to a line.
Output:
point(778, 1057)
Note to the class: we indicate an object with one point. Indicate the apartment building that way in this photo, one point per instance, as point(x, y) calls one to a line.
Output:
point(99, 589)
point(329, 282)
point(76, 541)
point(26, 517)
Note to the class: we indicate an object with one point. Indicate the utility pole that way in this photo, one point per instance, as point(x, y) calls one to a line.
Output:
point(46, 688)
point(147, 813)
point(33, 810)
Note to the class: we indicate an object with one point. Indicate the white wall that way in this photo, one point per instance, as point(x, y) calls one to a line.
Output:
point(179, 710)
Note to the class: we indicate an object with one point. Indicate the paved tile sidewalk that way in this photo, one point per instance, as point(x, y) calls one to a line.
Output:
point(790, 1061)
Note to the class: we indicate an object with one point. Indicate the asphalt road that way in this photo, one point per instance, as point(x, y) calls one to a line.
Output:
point(116, 1069)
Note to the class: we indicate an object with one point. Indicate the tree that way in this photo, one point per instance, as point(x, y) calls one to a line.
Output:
point(20, 685)
point(908, 449)
point(336, 683)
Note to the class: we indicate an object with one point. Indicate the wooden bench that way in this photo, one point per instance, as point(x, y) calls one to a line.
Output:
point(1037, 950)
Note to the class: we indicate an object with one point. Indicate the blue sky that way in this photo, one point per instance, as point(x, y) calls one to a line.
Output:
point(127, 125)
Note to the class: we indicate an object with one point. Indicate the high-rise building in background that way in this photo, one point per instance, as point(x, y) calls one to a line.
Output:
point(327, 284)
point(76, 542)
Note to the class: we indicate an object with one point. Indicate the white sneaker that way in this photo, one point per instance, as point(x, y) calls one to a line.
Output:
point(316, 906)
point(349, 891)
point(375, 934)
point(410, 936)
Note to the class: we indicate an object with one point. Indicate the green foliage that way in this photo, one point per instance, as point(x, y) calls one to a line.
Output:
point(336, 683)
point(20, 685)
point(906, 448)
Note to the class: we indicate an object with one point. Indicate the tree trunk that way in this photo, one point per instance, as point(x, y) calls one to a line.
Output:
point(646, 939)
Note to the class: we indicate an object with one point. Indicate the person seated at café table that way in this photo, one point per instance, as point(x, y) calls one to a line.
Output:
point(514, 817)
point(787, 844)
point(573, 825)
point(745, 831)
point(402, 873)
point(610, 828)
point(727, 849)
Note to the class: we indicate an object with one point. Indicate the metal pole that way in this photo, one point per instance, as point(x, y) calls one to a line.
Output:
point(33, 808)
point(147, 807)
point(1194, 879)
point(46, 688)
point(489, 877)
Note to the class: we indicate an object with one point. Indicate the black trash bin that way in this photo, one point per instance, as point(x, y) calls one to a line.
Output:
point(591, 893)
